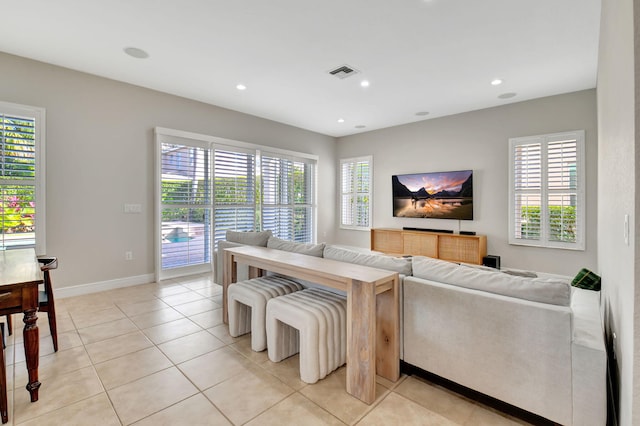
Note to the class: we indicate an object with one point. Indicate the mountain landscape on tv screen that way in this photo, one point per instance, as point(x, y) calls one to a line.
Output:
point(447, 195)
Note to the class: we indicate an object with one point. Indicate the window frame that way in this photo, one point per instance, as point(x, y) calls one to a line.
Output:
point(545, 190)
point(38, 114)
point(353, 161)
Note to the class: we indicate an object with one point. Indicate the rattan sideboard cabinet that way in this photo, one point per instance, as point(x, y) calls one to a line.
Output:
point(451, 247)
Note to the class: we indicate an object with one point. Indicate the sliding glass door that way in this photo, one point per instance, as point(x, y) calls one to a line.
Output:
point(186, 206)
point(206, 186)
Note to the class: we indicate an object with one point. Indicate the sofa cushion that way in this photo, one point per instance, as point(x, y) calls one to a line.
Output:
point(396, 264)
point(249, 238)
point(302, 248)
point(544, 290)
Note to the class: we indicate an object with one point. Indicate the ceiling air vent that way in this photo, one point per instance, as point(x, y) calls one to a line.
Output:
point(344, 71)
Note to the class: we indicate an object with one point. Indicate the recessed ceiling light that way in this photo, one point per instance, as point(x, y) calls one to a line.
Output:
point(360, 126)
point(364, 83)
point(134, 52)
point(507, 95)
point(422, 113)
point(241, 87)
point(496, 82)
point(340, 120)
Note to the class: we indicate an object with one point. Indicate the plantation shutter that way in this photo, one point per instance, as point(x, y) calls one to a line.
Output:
point(186, 205)
point(17, 181)
point(355, 198)
point(547, 190)
point(206, 186)
point(234, 191)
point(287, 195)
point(528, 190)
point(562, 189)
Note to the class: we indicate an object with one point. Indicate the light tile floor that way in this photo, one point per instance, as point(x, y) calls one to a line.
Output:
point(159, 354)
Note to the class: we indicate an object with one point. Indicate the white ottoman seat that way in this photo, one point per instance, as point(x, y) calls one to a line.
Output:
point(313, 322)
point(247, 306)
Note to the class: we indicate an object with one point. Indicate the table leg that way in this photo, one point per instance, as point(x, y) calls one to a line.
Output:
point(388, 333)
point(229, 276)
point(31, 350)
point(255, 272)
point(361, 333)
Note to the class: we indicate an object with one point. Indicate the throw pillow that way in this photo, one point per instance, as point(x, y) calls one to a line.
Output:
point(587, 280)
point(249, 238)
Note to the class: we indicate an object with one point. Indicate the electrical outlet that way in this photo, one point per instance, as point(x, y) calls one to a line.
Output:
point(133, 208)
point(128, 255)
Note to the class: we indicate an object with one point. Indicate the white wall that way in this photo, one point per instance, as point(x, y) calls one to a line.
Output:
point(617, 186)
point(100, 156)
point(478, 140)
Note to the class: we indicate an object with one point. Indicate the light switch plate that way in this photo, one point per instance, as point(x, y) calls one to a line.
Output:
point(626, 229)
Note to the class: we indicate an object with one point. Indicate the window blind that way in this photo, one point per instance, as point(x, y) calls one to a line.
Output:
point(355, 198)
point(206, 186)
point(235, 191)
point(287, 197)
point(528, 190)
point(17, 181)
point(186, 205)
point(562, 197)
point(547, 190)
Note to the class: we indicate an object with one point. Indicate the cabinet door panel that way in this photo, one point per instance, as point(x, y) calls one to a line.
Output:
point(420, 244)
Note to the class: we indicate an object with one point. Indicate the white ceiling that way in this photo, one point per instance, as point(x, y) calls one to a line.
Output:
point(437, 56)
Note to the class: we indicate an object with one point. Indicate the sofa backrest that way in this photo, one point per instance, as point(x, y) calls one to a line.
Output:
point(302, 248)
point(258, 238)
point(380, 261)
point(544, 290)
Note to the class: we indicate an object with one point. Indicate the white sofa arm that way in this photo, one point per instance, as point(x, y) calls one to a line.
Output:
point(219, 261)
point(587, 318)
point(588, 359)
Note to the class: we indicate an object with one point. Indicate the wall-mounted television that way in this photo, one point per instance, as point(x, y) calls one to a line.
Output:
point(438, 195)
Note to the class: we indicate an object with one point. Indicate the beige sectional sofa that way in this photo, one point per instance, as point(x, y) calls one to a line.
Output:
point(535, 343)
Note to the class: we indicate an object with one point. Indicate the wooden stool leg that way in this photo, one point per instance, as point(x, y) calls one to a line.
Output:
point(10, 324)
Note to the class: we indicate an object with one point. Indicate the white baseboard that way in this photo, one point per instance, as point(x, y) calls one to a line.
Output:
point(78, 290)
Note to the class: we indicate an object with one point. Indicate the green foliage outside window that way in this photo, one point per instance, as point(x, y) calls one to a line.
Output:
point(562, 223)
point(229, 191)
point(233, 190)
point(179, 191)
point(17, 208)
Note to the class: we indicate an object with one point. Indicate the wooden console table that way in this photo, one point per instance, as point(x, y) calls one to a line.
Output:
point(373, 309)
point(439, 245)
point(20, 276)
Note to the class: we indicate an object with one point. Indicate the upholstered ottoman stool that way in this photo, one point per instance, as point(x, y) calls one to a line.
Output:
point(313, 322)
point(247, 306)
